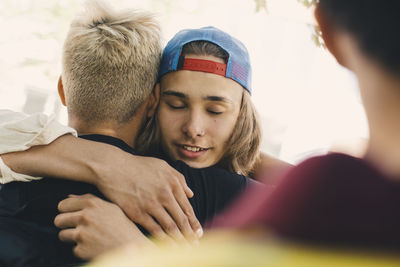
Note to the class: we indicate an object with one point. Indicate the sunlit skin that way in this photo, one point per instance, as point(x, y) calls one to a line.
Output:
point(197, 114)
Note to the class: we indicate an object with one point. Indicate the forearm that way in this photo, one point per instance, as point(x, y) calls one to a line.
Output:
point(267, 167)
point(67, 157)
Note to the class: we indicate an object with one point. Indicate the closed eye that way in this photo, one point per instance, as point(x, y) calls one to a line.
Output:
point(214, 112)
point(176, 106)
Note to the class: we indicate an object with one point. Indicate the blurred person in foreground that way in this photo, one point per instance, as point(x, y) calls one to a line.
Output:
point(328, 204)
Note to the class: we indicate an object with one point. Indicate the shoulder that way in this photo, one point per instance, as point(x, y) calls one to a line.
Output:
point(331, 185)
point(329, 162)
point(332, 166)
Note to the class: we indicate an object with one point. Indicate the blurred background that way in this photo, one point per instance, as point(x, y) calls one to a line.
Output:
point(309, 105)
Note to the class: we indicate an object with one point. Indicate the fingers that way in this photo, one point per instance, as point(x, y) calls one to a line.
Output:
point(69, 235)
point(177, 215)
point(74, 203)
point(182, 212)
point(168, 224)
point(154, 229)
point(188, 215)
point(174, 175)
point(71, 210)
point(182, 181)
point(68, 220)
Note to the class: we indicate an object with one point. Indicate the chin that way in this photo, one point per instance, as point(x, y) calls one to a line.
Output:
point(197, 165)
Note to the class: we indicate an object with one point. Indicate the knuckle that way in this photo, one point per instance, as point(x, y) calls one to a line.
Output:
point(170, 227)
point(137, 213)
point(156, 231)
point(183, 220)
point(139, 218)
point(79, 235)
point(165, 195)
point(92, 202)
point(173, 180)
point(188, 211)
point(194, 221)
point(84, 218)
point(151, 204)
point(180, 176)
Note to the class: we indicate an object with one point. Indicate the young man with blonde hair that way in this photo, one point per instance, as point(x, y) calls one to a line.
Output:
point(109, 67)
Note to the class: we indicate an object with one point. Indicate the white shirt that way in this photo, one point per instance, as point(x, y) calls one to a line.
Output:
point(19, 132)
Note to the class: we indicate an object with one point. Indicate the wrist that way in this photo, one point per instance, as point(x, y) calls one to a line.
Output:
point(105, 164)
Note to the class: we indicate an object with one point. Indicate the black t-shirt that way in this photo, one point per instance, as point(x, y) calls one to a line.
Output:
point(28, 209)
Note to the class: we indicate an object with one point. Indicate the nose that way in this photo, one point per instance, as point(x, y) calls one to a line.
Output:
point(194, 125)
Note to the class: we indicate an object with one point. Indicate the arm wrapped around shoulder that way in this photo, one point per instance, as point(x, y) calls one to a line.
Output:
point(19, 132)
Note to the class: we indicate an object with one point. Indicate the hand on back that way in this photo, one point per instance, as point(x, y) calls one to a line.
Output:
point(96, 226)
point(152, 194)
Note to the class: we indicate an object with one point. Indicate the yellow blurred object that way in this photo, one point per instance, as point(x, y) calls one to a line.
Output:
point(233, 249)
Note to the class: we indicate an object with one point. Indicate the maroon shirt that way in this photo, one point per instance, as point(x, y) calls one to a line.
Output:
point(332, 199)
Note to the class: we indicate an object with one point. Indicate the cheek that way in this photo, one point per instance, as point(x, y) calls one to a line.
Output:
point(168, 121)
point(222, 130)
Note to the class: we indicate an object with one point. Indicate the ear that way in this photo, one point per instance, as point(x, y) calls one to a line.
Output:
point(329, 33)
point(154, 99)
point(61, 92)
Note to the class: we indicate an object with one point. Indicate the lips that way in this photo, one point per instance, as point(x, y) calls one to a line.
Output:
point(191, 152)
point(193, 148)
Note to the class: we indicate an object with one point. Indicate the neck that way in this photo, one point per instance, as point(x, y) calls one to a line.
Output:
point(380, 92)
point(126, 132)
point(381, 97)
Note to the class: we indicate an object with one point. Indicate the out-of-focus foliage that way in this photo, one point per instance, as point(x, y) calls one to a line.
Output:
point(261, 4)
point(316, 32)
point(308, 3)
point(317, 37)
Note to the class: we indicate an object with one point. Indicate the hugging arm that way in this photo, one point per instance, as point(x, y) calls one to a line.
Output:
point(148, 190)
point(268, 168)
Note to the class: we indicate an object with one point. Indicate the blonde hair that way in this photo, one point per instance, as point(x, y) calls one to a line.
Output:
point(243, 145)
point(110, 63)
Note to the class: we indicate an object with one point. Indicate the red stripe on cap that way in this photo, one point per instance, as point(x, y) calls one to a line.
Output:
point(204, 66)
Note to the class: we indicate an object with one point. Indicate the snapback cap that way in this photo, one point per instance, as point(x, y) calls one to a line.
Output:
point(237, 67)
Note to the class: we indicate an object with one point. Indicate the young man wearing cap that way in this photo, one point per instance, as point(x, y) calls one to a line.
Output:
point(30, 207)
point(203, 118)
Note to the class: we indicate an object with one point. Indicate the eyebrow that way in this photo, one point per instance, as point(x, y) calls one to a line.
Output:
point(175, 93)
point(209, 98)
point(218, 98)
